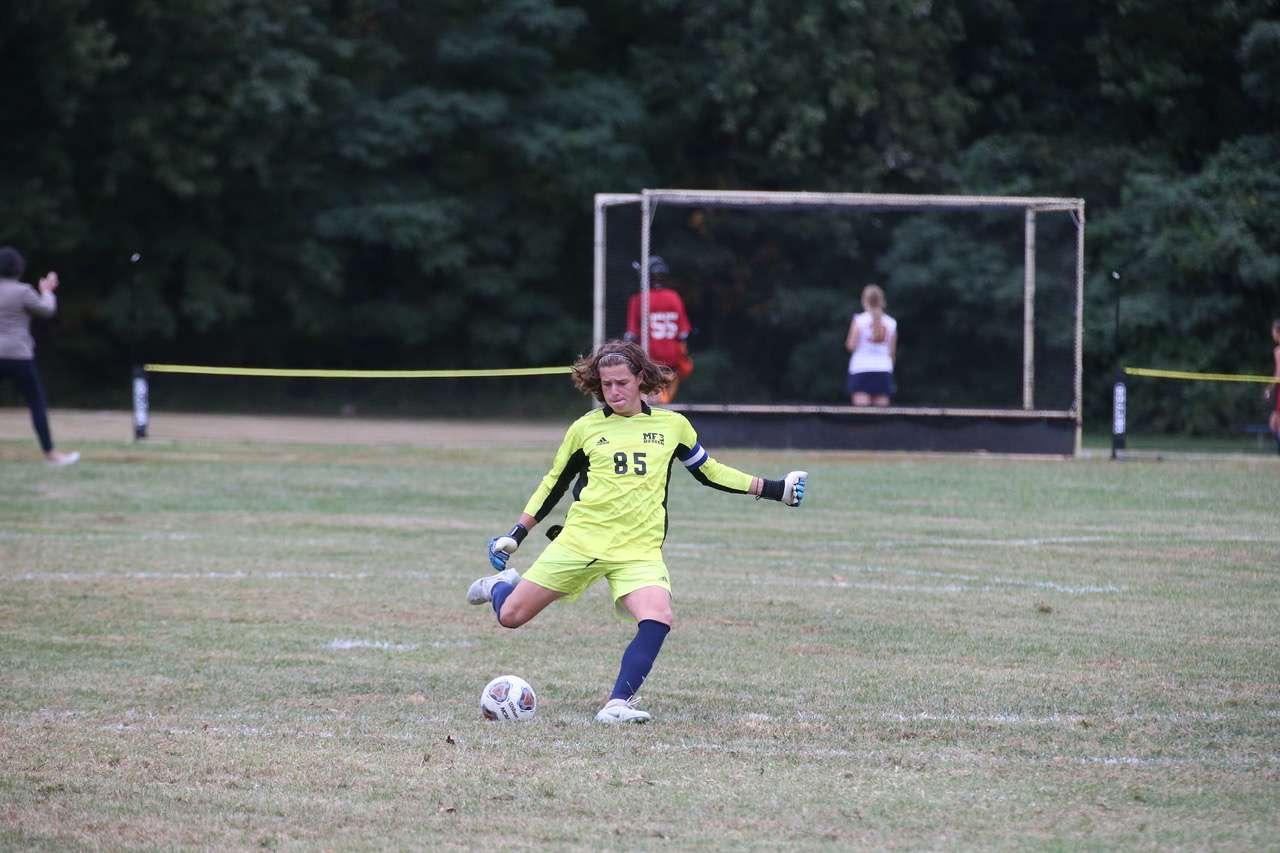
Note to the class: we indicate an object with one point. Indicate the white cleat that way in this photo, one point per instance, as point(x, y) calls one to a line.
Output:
point(58, 459)
point(618, 711)
point(481, 590)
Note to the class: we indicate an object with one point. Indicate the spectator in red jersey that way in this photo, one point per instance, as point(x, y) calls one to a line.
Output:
point(669, 326)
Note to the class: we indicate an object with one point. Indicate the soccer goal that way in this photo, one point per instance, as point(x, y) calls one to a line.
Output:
point(987, 291)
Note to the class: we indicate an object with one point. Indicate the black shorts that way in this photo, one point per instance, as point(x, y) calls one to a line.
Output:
point(875, 384)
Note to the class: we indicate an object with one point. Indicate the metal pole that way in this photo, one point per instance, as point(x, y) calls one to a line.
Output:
point(597, 277)
point(645, 208)
point(1078, 395)
point(1029, 313)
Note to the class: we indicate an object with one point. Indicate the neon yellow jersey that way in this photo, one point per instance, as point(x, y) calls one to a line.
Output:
point(622, 466)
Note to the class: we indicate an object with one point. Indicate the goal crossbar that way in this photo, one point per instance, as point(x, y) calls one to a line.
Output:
point(880, 201)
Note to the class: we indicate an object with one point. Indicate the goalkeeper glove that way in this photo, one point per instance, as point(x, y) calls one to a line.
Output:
point(789, 490)
point(793, 487)
point(502, 547)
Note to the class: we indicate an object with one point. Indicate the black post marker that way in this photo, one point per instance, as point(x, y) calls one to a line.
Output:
point(1119, 409)
point(141, 403)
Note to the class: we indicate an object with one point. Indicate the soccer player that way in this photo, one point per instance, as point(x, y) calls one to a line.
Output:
point(622, 455)
point(669, 326)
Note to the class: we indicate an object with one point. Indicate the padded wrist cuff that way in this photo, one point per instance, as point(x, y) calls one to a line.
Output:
point(518, 533)
point(772, 489)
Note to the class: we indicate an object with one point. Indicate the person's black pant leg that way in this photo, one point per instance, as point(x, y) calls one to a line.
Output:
point(23, 371)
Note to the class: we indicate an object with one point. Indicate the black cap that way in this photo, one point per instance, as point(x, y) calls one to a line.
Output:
point(13, 265)
point(657, 266)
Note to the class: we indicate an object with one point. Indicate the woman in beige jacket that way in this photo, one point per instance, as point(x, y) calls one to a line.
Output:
point(19, 302)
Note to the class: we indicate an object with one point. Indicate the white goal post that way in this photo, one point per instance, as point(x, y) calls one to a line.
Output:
point(650, 200)
point(604, 201)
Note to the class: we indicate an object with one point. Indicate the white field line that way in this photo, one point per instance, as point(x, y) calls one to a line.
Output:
point(234, 724)
point(1040, 541)
point(932, 541)
point(260, 720)
point(1034, 542)
point(1169, 537)
point(211, 576)
point(1251, 762)
point(1177, 718)
point(150, 722)
point(1164, 538)
point(341, 645)
point(997, 581)
point(151, 535)
point(257, 732)
point(186, 536)
point(959, 582)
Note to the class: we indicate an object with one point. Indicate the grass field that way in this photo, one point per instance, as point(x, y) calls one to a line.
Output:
point(259, 642)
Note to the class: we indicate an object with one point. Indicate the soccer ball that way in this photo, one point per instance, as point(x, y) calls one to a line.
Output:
point(509, 698)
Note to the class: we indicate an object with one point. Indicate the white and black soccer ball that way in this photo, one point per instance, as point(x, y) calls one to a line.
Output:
point(508, 698)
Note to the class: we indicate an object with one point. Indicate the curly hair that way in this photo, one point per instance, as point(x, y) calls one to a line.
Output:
point(653, 376)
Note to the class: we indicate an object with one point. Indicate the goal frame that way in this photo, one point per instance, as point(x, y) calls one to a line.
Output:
point(650, 199)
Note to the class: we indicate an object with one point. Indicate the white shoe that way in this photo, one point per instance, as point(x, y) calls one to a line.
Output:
point(617, 711)
point(481, 590)
point(58, 459)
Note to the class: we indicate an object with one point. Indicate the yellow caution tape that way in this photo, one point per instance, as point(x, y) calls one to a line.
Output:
point(350, 374)
point(1208, 377)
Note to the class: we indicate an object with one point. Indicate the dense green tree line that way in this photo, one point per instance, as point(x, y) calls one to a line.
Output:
point(378, 183)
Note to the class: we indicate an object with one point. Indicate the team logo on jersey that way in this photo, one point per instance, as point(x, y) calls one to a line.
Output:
point(602, 440)
point(654, 438)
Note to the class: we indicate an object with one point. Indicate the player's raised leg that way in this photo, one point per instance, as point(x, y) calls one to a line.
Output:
point(483, 590)
point(515, 600)
point(517, 606)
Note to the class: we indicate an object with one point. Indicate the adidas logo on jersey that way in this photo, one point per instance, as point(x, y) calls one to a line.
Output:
point(602, 440)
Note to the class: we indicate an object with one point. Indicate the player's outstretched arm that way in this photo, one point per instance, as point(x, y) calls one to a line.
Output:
point(502, 547)
point(707, 471)
point(789, 490)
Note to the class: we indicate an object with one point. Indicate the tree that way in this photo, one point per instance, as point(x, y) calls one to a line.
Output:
point(830, 96)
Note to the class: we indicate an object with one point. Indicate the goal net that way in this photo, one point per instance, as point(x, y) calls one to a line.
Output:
point(987, 292)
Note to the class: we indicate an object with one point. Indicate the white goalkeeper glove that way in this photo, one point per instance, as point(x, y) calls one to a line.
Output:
point(502, 547)
point(793, 487)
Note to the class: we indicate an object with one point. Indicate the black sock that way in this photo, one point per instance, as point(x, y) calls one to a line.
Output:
point(638, 659)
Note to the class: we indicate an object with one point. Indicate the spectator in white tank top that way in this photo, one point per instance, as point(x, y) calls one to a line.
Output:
point(873, 344)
